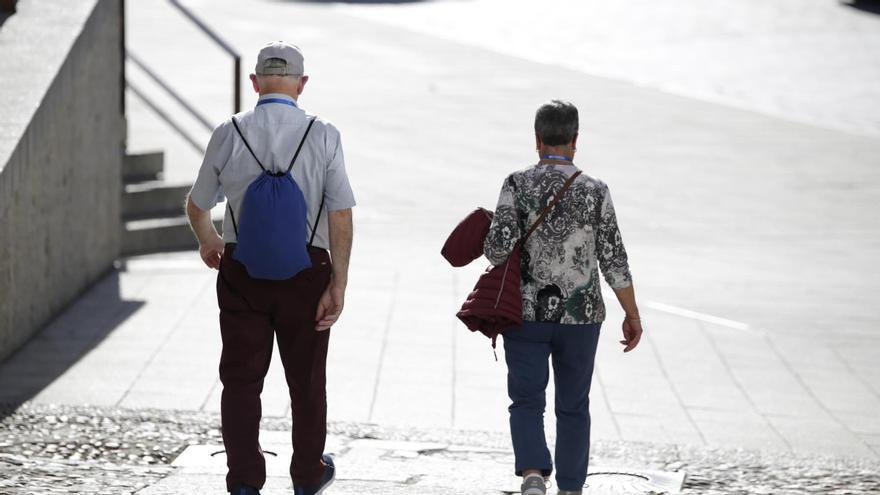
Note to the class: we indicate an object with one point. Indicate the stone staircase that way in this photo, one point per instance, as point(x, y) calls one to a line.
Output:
point(153, 214)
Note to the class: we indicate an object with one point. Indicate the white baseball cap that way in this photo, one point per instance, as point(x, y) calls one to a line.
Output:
point(291, 54)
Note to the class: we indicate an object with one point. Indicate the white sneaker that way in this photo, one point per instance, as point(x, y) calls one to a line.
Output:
point(533, 484)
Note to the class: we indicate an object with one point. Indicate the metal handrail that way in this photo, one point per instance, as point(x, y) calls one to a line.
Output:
point(170, 91)
point(236, 99)
point(181, 131)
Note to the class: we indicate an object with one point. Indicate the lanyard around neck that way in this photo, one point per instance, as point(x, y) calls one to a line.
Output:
point(556, 157)
point(277, 100)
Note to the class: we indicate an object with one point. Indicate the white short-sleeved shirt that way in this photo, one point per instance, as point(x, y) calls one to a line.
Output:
point(274, 130)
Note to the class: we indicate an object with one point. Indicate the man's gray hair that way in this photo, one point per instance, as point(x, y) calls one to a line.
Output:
point(556, 122)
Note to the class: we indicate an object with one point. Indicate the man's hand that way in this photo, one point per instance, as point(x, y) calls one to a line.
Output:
point(210, 243)
point(212, 250)
point(632, 333)
point(329, 307)
point(333, 299)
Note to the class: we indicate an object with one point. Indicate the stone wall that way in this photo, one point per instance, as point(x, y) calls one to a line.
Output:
point(62, 133)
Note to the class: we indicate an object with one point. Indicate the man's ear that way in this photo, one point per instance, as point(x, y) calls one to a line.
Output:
point(255, 84)
point(537, 141)
point(574, 142)
point(302, 84)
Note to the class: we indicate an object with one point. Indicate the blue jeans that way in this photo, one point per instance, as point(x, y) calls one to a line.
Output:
point(573, 350)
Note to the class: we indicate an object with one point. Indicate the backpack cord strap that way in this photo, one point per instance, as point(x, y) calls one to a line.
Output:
point(315, 227)
point(295, 155)
point(301, 143)
point(232, 216)
point(292, 161)
point(247, 144)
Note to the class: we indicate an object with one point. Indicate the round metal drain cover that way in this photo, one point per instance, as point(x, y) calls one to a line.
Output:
point(613, 480)
point(602, 482)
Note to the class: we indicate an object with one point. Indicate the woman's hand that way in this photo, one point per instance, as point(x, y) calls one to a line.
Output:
point(632, 333)
point(632, 324)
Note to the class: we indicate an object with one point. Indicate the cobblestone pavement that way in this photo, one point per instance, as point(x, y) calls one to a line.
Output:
point(53, 449)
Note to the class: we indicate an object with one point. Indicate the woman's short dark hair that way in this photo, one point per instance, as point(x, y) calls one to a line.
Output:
point(556, 122)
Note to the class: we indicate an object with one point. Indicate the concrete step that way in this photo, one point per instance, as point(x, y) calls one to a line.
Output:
point(140, 167)
point(153, 199)
point(154, 235)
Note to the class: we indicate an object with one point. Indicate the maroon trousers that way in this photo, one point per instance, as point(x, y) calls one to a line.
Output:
point(252, 312)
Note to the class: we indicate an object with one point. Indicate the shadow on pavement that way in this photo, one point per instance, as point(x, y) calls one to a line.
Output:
point(871, 6)
point(62, 343)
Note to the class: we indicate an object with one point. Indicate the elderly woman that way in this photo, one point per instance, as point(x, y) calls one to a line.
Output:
point(562, 299)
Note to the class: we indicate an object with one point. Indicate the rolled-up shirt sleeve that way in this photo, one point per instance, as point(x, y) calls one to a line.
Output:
point(206, 192)
point(610, 252)
point(337, 188)
point(505, 229)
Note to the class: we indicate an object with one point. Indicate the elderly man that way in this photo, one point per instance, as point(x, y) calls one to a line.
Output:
point(561, 297)
point(276, 144)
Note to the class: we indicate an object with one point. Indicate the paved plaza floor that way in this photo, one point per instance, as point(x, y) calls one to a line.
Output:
point(753, 241)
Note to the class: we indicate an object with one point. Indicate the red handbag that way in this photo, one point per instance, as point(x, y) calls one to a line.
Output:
point(495, 304)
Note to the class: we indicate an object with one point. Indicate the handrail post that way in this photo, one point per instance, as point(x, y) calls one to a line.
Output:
point(122, 76)
point(236, 103)
point(223, 44)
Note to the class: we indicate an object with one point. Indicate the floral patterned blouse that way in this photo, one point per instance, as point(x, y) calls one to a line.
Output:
point(561, 260)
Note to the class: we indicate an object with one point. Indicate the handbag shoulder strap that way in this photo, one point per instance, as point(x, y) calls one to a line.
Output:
point(552, 204)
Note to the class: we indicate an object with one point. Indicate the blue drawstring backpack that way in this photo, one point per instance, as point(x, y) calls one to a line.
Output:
point(271, 228)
